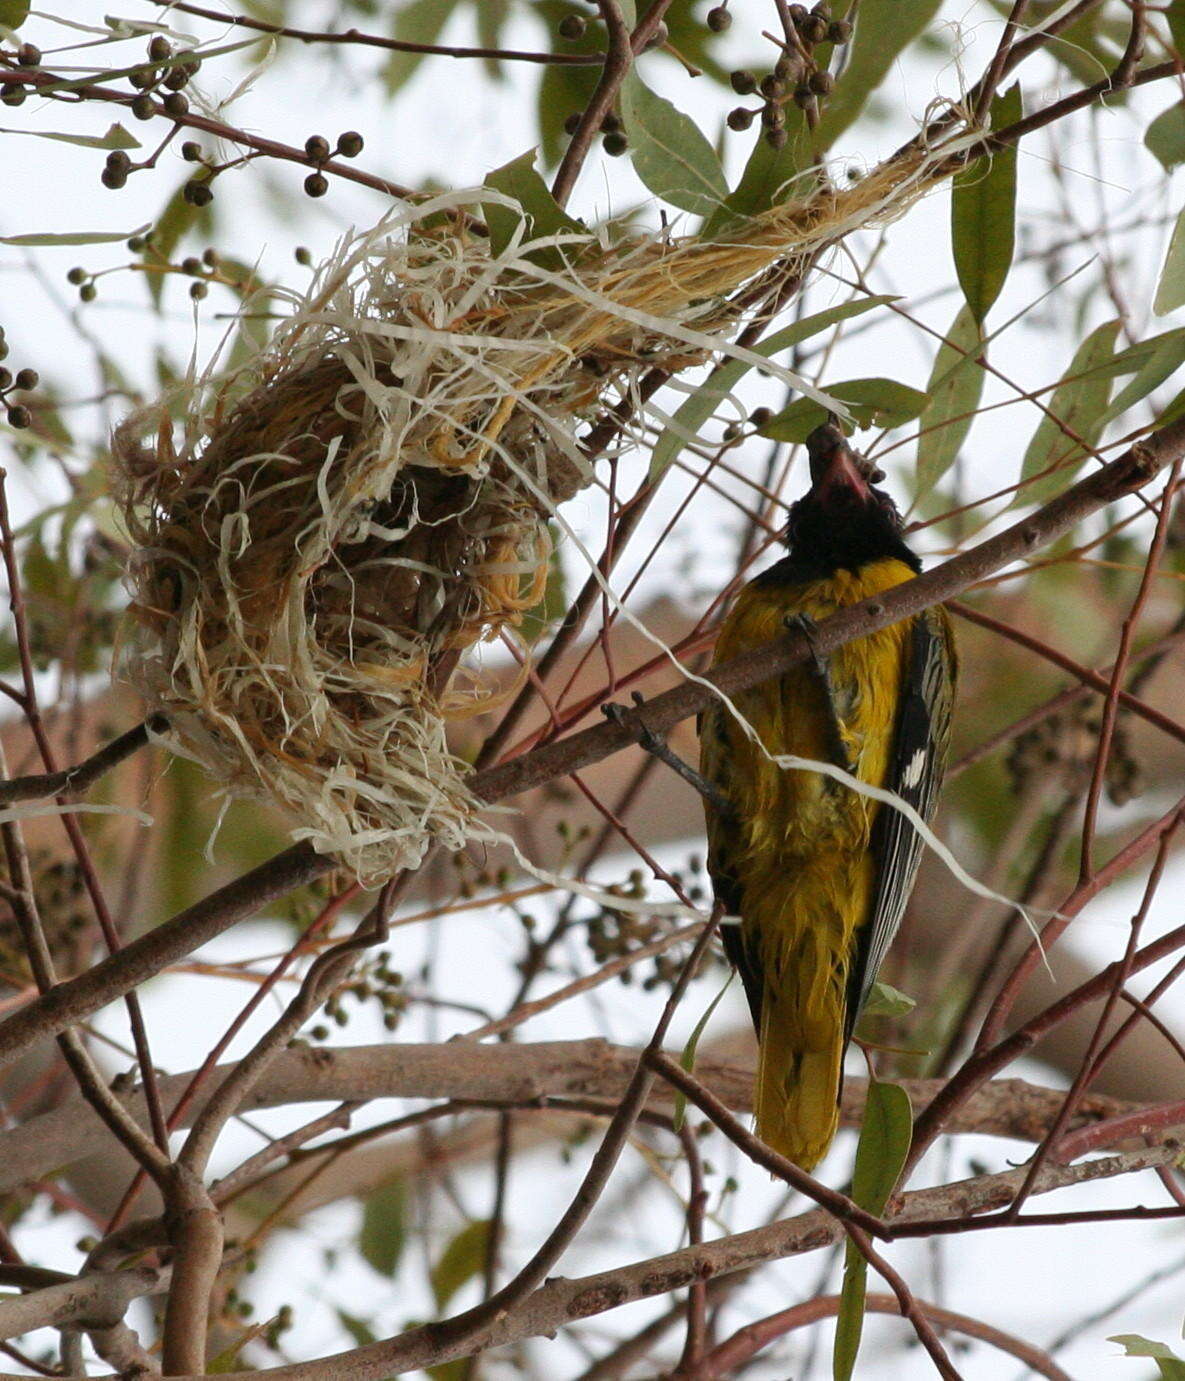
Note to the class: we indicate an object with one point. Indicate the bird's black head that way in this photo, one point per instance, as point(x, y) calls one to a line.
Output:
point(843, 522)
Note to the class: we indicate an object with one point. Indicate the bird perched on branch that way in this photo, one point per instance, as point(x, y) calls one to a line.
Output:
point(819, 874)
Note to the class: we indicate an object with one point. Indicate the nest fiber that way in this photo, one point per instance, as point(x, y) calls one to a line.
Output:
point(334, 523)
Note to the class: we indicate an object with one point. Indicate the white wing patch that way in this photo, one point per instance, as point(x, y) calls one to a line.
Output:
point(914, 769)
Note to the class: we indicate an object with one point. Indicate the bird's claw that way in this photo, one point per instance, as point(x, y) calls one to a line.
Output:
point(804, 624)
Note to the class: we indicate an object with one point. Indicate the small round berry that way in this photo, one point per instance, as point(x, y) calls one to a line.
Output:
point(27, 379)
point(776, 138)
point(572, 27)
point(316, 185)
point(760, 416)
point(28, 55)
point(160, 48)
point(785, 68)
point(192, 265)
point(718, 19)
point(88, 292)
point(113, 178)
point(798, 13)
point(839, 31)
point(143, 107)
point(211, 258)
point(316, 146)
point(3, 349)
point(118, 161)
point(19, 417)
point(303, 256)
point(191, 151)
point(821, 83)
point(350, 144)
point(5, 378)
point(743, 82)
point(572, 123)
point(176, 77)
point(13, 94)
point(803, 96)
point(198, 290)
point(771, 88)
point(142, 79)
point(176, 105)
point(197, 193)
point(740, 118)
point(76, 275)
point(615, 143)
point(137, 244)
point(773, 116)
point(814, 28)
point(611, 122)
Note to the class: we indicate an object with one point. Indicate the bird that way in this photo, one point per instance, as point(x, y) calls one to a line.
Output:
point(813, 875)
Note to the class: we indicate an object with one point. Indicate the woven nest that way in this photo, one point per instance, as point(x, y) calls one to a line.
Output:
point(335, 522)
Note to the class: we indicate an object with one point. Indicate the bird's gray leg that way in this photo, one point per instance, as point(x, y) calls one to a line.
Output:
point(628, 719)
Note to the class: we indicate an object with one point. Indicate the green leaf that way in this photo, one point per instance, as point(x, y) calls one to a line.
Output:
point(73, 237)
point(1080, 402)
point(872, 402)
point(771, 178)
point(886, 1001)
point(174, 222)
point(13, 13)
point(700, 405)
point(1165, 136)
point(544, 215)
point(956, 383)
point(116, 138)
point(880, 1157)
point(1170, 291)
point(1172, 1368)
point(983, 215)
point(1156, 360)
point(384, 1226)
point(463, 1258)
point(687, 1059)
point(669, 151)
point(419, 22)
point(358, 1329)
point(883, 29)
point(1176, 17)
point(554, 604)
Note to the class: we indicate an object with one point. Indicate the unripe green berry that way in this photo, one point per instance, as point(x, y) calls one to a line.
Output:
point(76, 276)
point(88, 292)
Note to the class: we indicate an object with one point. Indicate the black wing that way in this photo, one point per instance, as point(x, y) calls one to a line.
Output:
point(715, 759)
point(916, 768)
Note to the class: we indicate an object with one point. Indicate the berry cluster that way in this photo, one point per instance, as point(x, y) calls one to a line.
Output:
point(25, 379)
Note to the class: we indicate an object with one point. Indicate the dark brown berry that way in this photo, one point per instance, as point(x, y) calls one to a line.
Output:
point(839, 31)
point(137, 244)
point(191, 151)
point(211, 258)
point(197, 291)
point(615, 143)
point(572, 26)
point(118, 161)
point(350, 144)
point(176, 105)
point(13, 94)
point(813, 28)
point(28, 55)
point(776, 138)
point(303, 256)
point(785, 68)
point(760, 416)
point(5, 378)
point(316, 184)
point(803, 96)
point(740, 118)
point(718, 19)
point(743, 82)
point(798, 13)
point(197, 194)
point(159, 48)
point(773, 116)
point(821, 83)
point(142, 79)
point(572, 123)
point(772, 88)
point(191, 265)
point(113, 178)
point(88, 292)
point(317, 148)
point(27, 379)
point(611, 122)
point(76, 275)
point(176, 77)
point(143, 107)
point(19, 417)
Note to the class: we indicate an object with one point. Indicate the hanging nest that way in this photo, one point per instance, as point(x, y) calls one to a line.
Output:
point(337, 520)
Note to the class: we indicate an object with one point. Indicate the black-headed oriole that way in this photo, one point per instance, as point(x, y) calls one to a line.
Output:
point(819, 874)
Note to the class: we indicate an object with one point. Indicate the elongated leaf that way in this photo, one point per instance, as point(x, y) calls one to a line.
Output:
point(880, 1156)
point(771, 177)
point(983, 216)
point(462, 1259)
point(1176, 17)
point(956, 383)
point(384, 1226)
point(72, 237)
point(872, 402)
point(1157, 359)
point(1170, 291)
point(884, 1000)
point(13, 13)
point(883, 29)
point(419, 22)
point(177, 219)
point(669, 151)
point(1165, 136)
point(116, 138)
point(700, 405)
point(1079, 403)
point(687, 1059)
point(1171, 1367)
point(518, 179)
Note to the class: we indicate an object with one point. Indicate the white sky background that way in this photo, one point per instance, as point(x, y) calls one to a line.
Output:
point(456, 131)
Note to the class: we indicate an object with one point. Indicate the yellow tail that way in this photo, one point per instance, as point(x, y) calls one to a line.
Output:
point(801, 1052)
